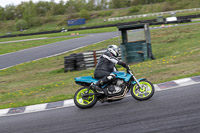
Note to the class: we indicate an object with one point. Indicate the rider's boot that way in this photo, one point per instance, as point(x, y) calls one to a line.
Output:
point(98, 88)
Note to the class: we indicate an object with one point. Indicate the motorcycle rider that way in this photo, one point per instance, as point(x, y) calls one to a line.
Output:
point(105, 67)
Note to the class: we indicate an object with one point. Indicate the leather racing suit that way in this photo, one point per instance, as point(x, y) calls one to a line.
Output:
point(105, 67)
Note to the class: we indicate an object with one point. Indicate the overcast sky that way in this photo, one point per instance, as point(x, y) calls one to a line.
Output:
point(3, 3)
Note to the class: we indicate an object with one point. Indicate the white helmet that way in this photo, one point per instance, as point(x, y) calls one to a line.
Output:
point(114, 50)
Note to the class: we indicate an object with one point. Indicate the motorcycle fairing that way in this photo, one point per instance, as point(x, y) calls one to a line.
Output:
point(122, 75)
point(89, 79)
point(86, 79)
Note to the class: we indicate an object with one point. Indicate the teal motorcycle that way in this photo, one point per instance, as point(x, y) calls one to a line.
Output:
point(87, 97)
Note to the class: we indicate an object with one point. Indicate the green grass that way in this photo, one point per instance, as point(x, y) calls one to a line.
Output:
point(100, 30)
point(177, 56)
point(100, 22)
point(16, 46)
point(98, 17)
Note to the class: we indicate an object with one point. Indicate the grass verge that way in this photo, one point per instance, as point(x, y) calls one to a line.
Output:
point(177, 55)
point(57, 22)
point(16, 46)
point(100, 30)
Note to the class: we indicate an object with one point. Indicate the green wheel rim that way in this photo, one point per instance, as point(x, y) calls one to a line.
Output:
point(143, 92)
point(84, 101)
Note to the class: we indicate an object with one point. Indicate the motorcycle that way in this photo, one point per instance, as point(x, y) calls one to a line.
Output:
point(87, 97)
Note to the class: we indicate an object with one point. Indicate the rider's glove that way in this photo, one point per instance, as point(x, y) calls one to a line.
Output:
point(122, 64)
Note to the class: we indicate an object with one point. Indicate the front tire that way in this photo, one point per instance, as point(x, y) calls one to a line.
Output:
point(144, 93)
point(84, 102)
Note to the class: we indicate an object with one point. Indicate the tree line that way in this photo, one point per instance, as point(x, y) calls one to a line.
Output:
point(27, 10)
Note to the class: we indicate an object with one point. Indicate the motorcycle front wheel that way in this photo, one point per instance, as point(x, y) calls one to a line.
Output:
point(144, 93)
point(82, 101)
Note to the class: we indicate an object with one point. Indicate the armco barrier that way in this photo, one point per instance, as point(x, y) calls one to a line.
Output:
point(153, 14)
point(82, 61)
point(151, 22)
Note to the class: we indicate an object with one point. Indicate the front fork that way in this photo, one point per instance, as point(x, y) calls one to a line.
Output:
point(138, 83)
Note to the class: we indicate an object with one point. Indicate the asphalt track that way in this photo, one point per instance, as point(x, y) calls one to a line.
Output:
point(11, 59)
point(35, 53)
point(169, 111)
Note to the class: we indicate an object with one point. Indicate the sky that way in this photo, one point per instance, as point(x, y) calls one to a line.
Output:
point(3, 3)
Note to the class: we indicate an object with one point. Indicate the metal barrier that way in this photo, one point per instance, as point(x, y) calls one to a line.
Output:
point(151, 22)
point(153, 14)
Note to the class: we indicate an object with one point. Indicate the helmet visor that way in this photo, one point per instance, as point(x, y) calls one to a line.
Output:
point(116, 50)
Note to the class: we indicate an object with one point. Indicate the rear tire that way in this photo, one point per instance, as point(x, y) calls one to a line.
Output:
point(86, 102)
point(145, 93)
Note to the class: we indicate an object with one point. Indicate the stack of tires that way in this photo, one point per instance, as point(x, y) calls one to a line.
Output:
point(70, 62)
point(74, 62)
point(80, 63)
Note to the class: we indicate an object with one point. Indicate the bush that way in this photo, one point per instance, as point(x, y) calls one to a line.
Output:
point(62, 21)
point(36, 21)
point(21, 24)
point(167, 6)
point(48, 19)
point(105, 13)
point(134, 9)
point(73, 16)
point(84, 14)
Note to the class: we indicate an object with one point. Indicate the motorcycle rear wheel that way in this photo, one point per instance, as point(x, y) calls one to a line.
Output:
point(144, 93)
point(84, 102)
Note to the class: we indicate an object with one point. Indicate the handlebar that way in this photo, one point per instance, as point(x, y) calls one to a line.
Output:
point(128, 69)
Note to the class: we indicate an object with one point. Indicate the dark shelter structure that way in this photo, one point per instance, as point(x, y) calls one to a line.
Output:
point(135, 43)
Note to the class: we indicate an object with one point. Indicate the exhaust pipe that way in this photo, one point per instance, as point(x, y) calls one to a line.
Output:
point(119, 97)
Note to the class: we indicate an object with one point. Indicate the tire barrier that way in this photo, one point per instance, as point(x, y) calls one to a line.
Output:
point(188, 17)
point(82, 61)
point(30, 34)
point(70, 63)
